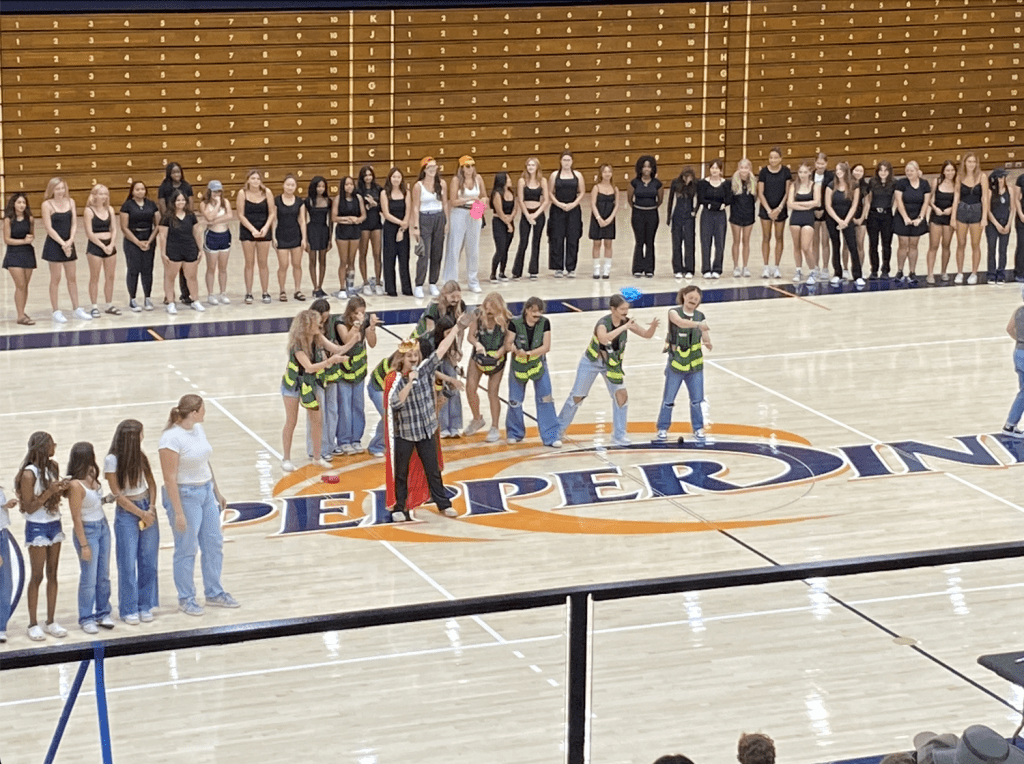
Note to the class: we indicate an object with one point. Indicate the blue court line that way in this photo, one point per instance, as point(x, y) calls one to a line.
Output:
point(281, 324)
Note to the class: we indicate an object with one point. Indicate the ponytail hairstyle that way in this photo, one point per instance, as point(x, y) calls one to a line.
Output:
point(616, 300)
point(126, 447)
point(39, 447)
point(82, 462)
point(187, 404)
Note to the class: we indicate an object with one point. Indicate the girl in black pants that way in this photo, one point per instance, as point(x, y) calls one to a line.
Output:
point(645, 201)
point(139, 217)
point(503, 224)
point(714, 194)
point(881, 189)
point(532, 193)
point(565, 228)
point(395, 211)
point(842, 199)
point(682, 214)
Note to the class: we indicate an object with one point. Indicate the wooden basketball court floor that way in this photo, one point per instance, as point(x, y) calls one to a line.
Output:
point(823, 666)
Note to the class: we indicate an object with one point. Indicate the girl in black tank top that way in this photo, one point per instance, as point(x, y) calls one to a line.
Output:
point(940, 222)
point(256, 213)
point(971, 210)
point(318, 232)
point(394, 207)
point(290, 235)
point(604, 203)
point(102, 237)
point(503, 224)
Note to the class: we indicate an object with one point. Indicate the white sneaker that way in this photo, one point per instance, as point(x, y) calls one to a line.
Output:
point(475, 426)
point(58, 317)
point(36, 633)
point(859, 282)
point(556, 444)
point(776, 272)
point(716, 275)
point(688, 276)
point(148, 304)
point(198, 307)
point(445, 434)
point(493, 435)
point(212, 299)
point(449, 512)
point(707, 275)
point(475, 288)
point(399, 517)
point(355, 448)
point(224, 299)
point(798, 276)
point(146, 616)
point(3, 637)
point(661, 437)
point(287, 466)
point(834, 281)
point(90, 627)
point(959, 279)
point(367, 289)
point(107, 622)
point(84, 315)
point(131, 620)
point(379, 290)
point(846, 274)
point(746, 273)
point(418, 293)
point(767, 272)
point(434, 291)
point(623, 442)
point(736, 273)
point(972, 279)
point(811, 281)
point(56, 630)
point(172, 308)
point(134, 306)
point(324, 463)
point(679, 277)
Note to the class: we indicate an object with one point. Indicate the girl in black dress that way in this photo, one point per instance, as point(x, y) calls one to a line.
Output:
point(395, 209)
point(290, 236)
point(773, 182)
point(101, 233)
point(741, 216)
point(912, 199)
point(140, 217)
point(645, 200)
point(180, 239)
point(604, 205)
point(174, 180)
point(682, 217)
point(504, 205)
point(318, 232)
point(940, 222)
point(20, 258)
point(256, 210)
point(370, 229)
point(349, 215)
point(60, 218)
point(879, 202)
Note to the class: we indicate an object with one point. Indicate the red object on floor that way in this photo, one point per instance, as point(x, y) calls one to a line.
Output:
point(331, 478)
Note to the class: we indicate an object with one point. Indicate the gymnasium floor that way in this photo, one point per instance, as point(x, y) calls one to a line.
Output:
point(821, 665)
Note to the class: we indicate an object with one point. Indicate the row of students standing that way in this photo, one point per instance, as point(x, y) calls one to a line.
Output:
point(190, 497)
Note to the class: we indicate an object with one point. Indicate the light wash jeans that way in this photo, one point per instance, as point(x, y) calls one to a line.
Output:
point(136, 554)
point(694, 381)
point(328, 400)
point(94, 581)
point(462, 231)
point(6, 578)
point(377, 399)
point(586, 373)
point(202, 535)
point(449, 416)
point(1017, 409)
point(351, 412)
point(515, 429)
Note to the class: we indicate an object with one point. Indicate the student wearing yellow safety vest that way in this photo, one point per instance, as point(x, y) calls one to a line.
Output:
point(688, 331)
point(306, 358)
point(528, 343)
point(487, 335)
point(359, 329)
point(326, 395)
point(604, 356)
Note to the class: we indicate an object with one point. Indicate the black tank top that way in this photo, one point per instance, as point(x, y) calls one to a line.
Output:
point(257, 213)
point(532, 194)
point(970, 194)
point(566, 189)
point(396, 207)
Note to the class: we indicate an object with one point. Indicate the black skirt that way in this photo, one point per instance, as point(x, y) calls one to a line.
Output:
point(20, 256)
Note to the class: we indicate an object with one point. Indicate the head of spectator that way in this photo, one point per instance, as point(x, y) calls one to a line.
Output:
point(979, 745)
point(755, 748)
point(925, 743)
point(673, 758)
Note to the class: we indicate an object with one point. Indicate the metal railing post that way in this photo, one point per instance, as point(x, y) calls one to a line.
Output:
point(69, 704)
point(101, 703)
point(577, 670)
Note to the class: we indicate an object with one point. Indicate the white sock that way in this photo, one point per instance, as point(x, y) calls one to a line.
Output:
point(608, 265)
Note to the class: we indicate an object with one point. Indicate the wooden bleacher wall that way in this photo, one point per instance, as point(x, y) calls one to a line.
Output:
point(109, 97)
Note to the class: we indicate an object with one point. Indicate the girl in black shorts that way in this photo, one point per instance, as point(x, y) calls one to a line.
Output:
point(318, 232)
point(773, 184)
point(256, 211)
point(102, 235)
point(217, 213)
point(803, 201)
point(971, 202)
point(370, 229)
point(349, 215)
point(741, 216)
point(20, 258)
point(940, 225)
point(180, 238)
point(290, 236)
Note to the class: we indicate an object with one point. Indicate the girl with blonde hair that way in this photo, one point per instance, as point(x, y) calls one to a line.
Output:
point(60, 219)
point(102, 235)
point(487, 333)
point(741, 216)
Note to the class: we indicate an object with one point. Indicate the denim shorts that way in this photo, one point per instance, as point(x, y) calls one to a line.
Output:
point(968, 213)
point(217, 241)
point(289, 393)
point(43, 534)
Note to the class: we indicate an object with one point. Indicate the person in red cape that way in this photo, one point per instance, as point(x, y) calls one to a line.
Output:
point(412, 448)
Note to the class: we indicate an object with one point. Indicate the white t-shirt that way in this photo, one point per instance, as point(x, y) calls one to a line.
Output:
point(5, 514)
point(92, 504)
point(193, 450)
point(41, 515)
point(140, 488)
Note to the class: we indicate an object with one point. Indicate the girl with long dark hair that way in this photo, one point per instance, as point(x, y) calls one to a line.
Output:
point(318, 232)
point(504, 205)
point(20, 257)
point(92, 538)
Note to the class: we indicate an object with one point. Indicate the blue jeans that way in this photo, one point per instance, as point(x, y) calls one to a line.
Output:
point(1017, 409)
point(586, 374)
point(377, 399)
point(328, 400)
point(694, 387)
point(94, 582)
point(6, 578)
point(351, 412)
point(547, 421)
point(136, 554)
point(202, 534)
point(449, 416)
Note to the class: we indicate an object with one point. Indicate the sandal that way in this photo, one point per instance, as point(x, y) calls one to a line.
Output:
point(26, 321)
point(283, 297)
point(113, 311)
point(300, 296)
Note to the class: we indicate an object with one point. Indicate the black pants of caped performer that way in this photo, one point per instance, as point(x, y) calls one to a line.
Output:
point(396, 254)
point(712, 232)
point(880, 226)
point(502, 243)
point(140, 266)
point(645, 225)
point(1018, 255)
point(564, 232)
point(684, 240)
point(427, 450)
point(849, 235)
point(529, 236)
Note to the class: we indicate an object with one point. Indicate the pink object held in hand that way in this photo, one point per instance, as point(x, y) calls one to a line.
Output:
point(477, 210)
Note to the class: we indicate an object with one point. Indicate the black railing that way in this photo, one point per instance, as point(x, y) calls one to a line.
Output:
point(576, 598)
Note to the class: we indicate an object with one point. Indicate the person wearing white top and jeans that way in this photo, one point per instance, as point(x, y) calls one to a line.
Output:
point(193, 503)
point(6, 563)
point(91, 537)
